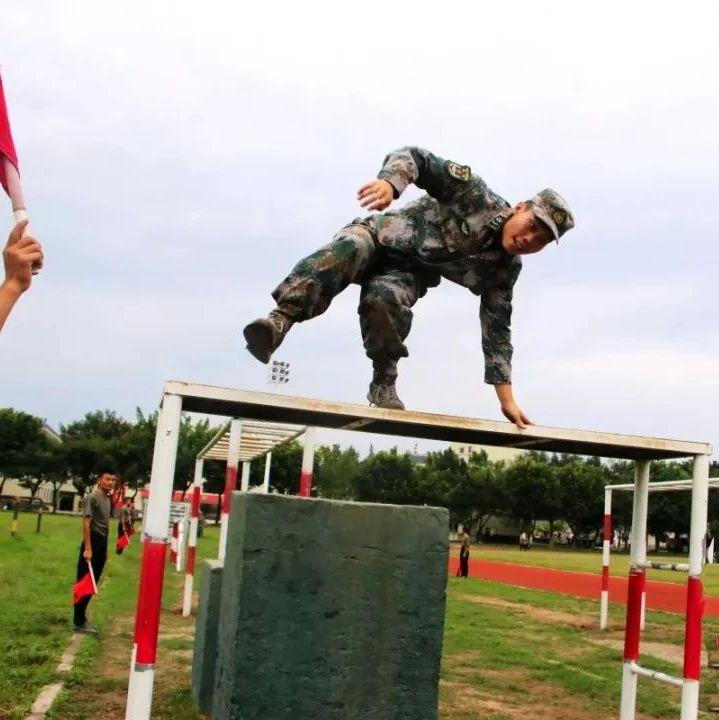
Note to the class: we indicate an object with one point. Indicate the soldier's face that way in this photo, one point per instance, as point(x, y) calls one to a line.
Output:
point(523, 234)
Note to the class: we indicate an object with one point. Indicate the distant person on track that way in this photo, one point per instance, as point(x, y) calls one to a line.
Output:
point(463, 570)
point(460, 230)
point(20, 255)
point(96, 515)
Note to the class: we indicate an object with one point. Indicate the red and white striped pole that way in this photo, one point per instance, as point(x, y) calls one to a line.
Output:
point(308, 459)
point(695, 595)
point(154, 549)
point(173, 544)
point(633, 625)
point(233, 460)
point(606, 550)
point(192, 540)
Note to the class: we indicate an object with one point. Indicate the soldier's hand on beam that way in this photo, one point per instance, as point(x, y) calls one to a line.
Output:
point(376, 195)
point(514, 414)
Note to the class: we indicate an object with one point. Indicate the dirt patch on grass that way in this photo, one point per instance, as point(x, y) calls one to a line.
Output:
point(460, 699)
point(536, 613)
point(663, 651)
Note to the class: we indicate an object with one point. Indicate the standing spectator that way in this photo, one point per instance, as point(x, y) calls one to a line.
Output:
point(124, 524)
point(464, 555)
point(523, 540)
point(20, 255)
point(93, 549)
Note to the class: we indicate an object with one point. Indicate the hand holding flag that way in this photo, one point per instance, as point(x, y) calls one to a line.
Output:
point(84, 586)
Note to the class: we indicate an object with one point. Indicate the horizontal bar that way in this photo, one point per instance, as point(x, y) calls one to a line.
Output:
point(678, 567)
point(269, 407)
point(656, 675)
point(668, 486)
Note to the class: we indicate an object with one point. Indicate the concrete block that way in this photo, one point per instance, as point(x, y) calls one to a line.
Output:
point(331, 610)
point(205, 652)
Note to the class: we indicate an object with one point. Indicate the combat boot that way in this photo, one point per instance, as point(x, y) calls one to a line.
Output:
point(265, 335)
point(384, 396)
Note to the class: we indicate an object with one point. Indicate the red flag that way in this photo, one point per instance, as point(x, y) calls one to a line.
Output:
point(122, 542)
point(84, 586)
point(9, 168)
point(131, 532)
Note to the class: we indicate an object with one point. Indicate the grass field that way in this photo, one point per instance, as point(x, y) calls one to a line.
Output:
point(508, 653)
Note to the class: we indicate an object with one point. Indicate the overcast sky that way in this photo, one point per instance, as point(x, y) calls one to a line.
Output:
point(178, 160)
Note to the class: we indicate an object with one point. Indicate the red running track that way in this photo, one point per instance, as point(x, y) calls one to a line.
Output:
point(668, 597)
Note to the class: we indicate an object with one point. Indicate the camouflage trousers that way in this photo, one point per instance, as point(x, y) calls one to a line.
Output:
point(390, 286)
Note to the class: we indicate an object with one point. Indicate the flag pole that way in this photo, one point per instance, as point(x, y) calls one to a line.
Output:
point(92, 575)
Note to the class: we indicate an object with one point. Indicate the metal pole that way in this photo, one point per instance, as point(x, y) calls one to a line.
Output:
point(174, 544)
point(266, 481)
point(308, 458)
point(192, 540)
point(245, 486)
point(606, 550)
point(632, 633)
point(149, 597)
point(695, 600)
point(233, 460)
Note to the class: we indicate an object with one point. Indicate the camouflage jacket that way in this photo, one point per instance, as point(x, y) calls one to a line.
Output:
point(454, 229)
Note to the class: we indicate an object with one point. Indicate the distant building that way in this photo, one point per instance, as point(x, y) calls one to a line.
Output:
point(495, 454)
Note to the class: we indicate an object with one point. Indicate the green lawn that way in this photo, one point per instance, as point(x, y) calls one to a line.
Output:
point(508, 652)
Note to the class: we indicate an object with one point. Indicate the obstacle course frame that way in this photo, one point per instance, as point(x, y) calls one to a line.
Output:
point(179, 397)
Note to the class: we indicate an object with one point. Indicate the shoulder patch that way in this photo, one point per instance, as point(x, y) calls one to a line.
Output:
point(459, 172)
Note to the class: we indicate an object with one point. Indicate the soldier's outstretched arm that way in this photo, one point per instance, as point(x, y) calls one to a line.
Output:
point(441, 178)
point(495, 312)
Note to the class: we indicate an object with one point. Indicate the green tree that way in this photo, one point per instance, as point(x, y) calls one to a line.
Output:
point(91, 442)
point(21, 440)
point(387, 477)
point(582, 495)
point(532, 489)
point(337, 472)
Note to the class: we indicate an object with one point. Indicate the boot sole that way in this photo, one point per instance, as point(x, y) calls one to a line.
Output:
point(259, 341)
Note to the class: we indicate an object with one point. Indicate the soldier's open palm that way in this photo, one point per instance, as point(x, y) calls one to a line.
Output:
point(376, 195)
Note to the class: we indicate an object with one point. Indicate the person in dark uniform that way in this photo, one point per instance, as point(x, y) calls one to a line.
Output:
point(464, 555)
point(93, 548)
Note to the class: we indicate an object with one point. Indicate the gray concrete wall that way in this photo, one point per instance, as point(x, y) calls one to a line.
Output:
point(205, 651)
point(331, 610)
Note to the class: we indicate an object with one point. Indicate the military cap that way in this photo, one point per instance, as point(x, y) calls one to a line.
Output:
point(552, 209)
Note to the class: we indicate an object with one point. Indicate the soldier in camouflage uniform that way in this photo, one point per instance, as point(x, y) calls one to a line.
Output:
point(460, 230)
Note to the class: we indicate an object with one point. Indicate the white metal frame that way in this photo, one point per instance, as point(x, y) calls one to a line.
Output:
point(253, 406)
point(666, 486)
point(636, 596)
point(237, 441)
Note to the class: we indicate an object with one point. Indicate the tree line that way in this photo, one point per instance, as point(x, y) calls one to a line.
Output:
point(561, 491)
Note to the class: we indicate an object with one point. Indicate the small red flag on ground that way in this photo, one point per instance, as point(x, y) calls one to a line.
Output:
point(85, 586)
point(9, 172)
point(122, 542)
